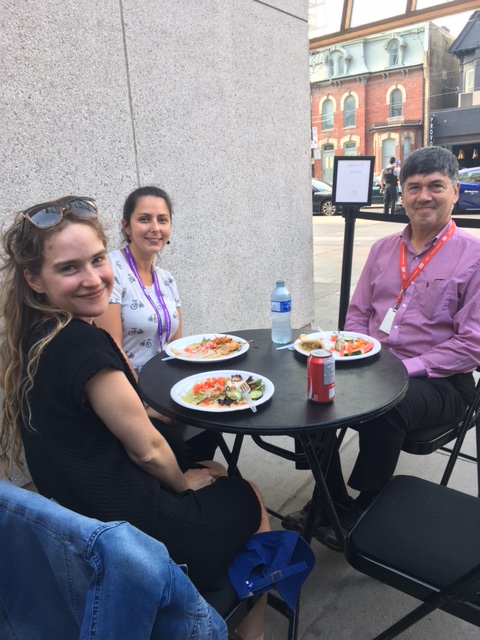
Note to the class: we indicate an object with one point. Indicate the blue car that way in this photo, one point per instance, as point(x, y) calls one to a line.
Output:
point(469, 197)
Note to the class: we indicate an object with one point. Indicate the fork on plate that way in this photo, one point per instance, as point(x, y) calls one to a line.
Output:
point(245, 391)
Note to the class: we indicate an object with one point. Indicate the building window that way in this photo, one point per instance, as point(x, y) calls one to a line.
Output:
point(340, 65)
point(393, 54)
point(388, 151)
point(331, 67)
point(350, 149)
point(396, 106)
point(327, 115)
point(469, 81)
point(349, 112)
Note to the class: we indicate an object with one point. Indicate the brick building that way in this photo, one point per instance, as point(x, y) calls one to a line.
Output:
point(373, 96)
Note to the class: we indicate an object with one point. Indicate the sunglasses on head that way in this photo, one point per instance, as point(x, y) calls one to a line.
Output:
point(49, 214)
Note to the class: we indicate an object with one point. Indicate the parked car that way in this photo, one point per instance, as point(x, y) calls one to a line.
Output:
point(322, 199)
point(469, 196)
point(377, 197)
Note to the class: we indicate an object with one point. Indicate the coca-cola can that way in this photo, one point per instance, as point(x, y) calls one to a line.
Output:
point(321, 376)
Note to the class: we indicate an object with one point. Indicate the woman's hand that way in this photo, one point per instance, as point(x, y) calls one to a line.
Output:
point(199, 478)
point(152, 413)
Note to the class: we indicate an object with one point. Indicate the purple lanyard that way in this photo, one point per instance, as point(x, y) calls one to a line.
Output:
point(168, 322)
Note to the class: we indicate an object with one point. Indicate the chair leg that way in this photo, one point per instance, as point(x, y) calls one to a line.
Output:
point(292, 616)
point(458, 591)
point(477, 437)
point(407, 621)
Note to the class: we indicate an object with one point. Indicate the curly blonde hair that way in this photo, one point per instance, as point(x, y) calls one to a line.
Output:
point(23, 311)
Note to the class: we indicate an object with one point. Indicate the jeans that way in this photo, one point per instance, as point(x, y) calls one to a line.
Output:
point(67, 577)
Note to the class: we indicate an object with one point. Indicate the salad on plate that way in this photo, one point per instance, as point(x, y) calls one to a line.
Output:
point(207, 347)
point(220, 391)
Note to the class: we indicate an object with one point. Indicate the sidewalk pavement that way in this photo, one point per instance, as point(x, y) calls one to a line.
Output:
point(338, 603)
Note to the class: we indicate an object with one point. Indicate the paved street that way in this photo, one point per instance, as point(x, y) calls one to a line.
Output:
point(339, 603)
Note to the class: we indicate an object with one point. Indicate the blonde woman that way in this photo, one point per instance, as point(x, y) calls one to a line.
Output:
point(71, 398)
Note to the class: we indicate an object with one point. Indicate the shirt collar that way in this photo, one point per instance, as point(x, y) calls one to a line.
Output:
point(406, 233)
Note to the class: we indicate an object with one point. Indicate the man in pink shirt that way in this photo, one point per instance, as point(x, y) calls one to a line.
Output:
point(419, 295)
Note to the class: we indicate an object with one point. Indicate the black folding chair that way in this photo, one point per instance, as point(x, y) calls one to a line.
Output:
point(233, 611)
point(436, 438)
point(423, 539)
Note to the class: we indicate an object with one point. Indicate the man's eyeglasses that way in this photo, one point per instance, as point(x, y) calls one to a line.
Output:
point(48, 214)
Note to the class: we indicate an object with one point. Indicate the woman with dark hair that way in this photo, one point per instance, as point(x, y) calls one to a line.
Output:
point(144, 313)
point(71, 399)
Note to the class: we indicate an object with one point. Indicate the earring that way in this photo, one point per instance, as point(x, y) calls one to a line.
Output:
point(168, 241)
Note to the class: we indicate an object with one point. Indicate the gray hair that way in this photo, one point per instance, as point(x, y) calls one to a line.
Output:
point(429, 160)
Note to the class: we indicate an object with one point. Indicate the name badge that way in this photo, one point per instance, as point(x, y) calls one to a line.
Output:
point(387, 322)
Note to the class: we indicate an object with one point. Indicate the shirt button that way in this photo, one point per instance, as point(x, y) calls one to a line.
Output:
point(396, 326)
point(404, 305)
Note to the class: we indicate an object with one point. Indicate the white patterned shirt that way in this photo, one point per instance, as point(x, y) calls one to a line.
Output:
point(140, 339)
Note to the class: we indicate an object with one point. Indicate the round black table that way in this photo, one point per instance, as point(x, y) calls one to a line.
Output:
point(364, 389)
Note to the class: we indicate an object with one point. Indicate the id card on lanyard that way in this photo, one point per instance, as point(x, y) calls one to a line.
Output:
point(158, 293)
point(387, 322)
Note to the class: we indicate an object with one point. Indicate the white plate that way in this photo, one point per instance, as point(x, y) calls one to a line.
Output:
point(181, 343)
point(181, 388)
point(347, 334)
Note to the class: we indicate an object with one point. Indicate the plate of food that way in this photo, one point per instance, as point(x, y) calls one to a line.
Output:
point(344, 345)
point(217, 391)
point(207, 346)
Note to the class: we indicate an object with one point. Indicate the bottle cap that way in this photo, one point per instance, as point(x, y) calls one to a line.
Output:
point(280, 283)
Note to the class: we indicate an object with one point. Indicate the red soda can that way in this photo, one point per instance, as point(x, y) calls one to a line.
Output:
point(321, 376)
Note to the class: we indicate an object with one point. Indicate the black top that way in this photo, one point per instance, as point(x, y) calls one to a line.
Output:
point(72, 456)
point(364, 389)
point(75, 459)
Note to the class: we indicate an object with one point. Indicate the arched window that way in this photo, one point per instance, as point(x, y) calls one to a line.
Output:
point(396, 106)
point(350, 149)
point(407, 147)
point(393, 54)
point(349, 112)
point(388, 150)
point(327, 115)
point(331, 67)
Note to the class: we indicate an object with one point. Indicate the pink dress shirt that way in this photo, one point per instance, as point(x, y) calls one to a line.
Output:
point(436, 329)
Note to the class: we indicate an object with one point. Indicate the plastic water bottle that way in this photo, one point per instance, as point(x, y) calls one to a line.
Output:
point(280, 308)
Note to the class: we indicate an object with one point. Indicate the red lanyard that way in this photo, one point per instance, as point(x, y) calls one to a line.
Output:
point(425, 260)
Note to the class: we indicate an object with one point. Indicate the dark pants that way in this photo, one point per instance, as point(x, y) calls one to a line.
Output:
point(389, 198)
point(428, 402)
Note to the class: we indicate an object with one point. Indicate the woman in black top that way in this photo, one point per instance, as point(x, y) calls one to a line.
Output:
point(70, 397)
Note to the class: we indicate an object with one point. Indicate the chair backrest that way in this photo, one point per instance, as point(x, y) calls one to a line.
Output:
point(428, 440)
point(64, 576)
point(423, 539)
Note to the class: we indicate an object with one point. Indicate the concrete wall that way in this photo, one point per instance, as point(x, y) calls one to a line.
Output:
point(208, 99)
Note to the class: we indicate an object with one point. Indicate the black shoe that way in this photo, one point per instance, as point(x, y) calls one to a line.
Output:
point(348, 517)
point(297, 520)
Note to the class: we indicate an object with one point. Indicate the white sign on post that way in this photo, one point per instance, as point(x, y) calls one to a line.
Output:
point(352, 180)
